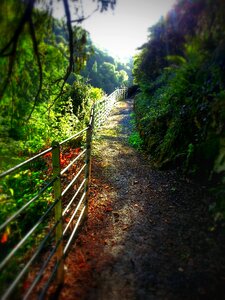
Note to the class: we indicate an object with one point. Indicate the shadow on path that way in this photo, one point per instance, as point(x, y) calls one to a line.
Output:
point(147, 233)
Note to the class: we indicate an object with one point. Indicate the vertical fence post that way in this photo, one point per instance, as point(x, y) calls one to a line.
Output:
point(58, 210)
point(88, 158)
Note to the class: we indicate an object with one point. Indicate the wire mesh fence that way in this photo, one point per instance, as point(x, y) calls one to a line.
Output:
point(44, 202)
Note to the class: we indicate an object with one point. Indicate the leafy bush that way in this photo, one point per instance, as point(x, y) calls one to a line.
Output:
point(181, 105)
point(16, 191)
point(134, 138)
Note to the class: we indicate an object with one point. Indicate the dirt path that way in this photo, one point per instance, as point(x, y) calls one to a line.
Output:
point(148, 233)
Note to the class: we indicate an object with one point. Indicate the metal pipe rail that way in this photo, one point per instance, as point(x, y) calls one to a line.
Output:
point(49, 238)
point(103, 107)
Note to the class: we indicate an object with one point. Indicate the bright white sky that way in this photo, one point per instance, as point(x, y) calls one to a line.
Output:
point(123, 30)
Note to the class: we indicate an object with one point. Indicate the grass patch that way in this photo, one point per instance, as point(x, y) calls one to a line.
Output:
point(134, 138)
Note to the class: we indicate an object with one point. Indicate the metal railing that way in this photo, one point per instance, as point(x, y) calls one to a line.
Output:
point(40, 248)
point(103, 107)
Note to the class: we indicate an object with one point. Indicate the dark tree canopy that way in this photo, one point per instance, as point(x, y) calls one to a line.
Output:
point(32, 19)
point(180, 71)
point(44, 94)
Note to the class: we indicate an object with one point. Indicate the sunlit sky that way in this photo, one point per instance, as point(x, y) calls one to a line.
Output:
point(123, 30)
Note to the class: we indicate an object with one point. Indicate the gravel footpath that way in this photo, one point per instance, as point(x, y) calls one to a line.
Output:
point(148, 235)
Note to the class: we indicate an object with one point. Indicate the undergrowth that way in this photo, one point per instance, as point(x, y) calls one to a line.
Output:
point(134, 138)
point(180, 110)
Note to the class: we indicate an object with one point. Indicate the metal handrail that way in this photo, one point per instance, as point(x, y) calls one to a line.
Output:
point(74, 231)
point(74, 196)
point(73, 180)
point(29, 233)
point(73, 161)
point(18, 212)
point(46, 262)
point(28, 264)
point(25, 162)
point(76, 208)
point(74, 136)
point(74, 213)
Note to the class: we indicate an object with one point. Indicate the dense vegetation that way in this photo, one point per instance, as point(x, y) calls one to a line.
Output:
point(42, 97)
point(51, 74)
point(180, 109)
point(104, 72)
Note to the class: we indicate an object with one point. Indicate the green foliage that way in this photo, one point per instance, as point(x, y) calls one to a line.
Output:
point(181, 107)
point(104, 72)
point(31, 118)
point(43, 98)
point(32, 112)
point(134, 138)
point(16, 191)
point(19, 188)
point(67, 117)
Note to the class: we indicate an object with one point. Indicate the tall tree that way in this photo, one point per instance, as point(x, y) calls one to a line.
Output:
point(25, 28)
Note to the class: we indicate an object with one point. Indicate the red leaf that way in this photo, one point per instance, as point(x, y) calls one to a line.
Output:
point(26, 285)
point(77, 150)
point(108, 209)
point(4, 238)
point(49, 154)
